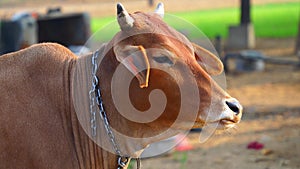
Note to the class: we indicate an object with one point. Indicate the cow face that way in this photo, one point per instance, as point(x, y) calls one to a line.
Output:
point(161, 58)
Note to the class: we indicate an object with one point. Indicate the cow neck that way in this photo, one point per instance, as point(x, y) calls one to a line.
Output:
point(122, 159)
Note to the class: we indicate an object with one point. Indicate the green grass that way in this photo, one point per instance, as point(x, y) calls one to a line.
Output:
point(276, 21)
point(182, 158)
point(271, 20)
point(212, 22)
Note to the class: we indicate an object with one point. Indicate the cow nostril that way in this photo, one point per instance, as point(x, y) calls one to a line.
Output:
point(234, 106)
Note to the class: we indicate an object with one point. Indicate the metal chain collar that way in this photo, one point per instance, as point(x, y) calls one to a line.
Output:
point(95, 97)
point(92, 94)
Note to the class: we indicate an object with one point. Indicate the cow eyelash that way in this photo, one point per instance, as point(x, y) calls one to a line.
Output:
point(163, 59)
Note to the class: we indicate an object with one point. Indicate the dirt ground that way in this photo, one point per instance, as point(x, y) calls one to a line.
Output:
point(271, 101)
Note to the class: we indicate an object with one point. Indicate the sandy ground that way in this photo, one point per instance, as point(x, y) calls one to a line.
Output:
point(271, 100)
point(99, 8)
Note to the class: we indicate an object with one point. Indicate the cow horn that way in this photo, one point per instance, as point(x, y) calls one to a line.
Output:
point(124, 19)
point(160, 9)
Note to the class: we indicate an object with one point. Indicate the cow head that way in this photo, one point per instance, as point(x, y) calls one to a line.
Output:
point(160, 80)
point(162, 58)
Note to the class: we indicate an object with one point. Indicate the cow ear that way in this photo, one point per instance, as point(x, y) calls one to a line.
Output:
point(208, 61)
point(135, 59)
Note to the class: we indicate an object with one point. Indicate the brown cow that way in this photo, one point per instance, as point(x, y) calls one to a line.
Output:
point(39, 127)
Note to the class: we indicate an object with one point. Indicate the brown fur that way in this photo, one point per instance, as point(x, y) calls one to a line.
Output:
point(38, 126)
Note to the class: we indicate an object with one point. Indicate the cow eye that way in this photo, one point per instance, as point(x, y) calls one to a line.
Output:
point(163, 59)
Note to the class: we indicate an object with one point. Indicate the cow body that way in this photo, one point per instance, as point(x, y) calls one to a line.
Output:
point(33, 104)
point(39, 127)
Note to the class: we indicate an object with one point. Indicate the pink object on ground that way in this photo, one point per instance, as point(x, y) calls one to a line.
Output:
point(255, 145)
point(183, 144)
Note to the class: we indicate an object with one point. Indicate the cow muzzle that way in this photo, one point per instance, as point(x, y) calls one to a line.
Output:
point(231, 114)
point(234, 106)
point(227, 117)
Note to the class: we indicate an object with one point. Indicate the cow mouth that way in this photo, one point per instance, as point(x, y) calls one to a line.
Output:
point(227, 123)
point(224, 124)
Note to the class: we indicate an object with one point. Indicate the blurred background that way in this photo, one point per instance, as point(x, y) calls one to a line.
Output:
point(257, 40)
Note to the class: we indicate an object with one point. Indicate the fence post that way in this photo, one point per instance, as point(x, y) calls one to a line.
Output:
point(242, 36)
point(245, 12)
point(150, 3)
point(297, 48)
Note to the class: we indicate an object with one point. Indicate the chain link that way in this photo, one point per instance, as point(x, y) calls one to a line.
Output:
point(92, 93)
point(107, 127)
point(95, 97)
